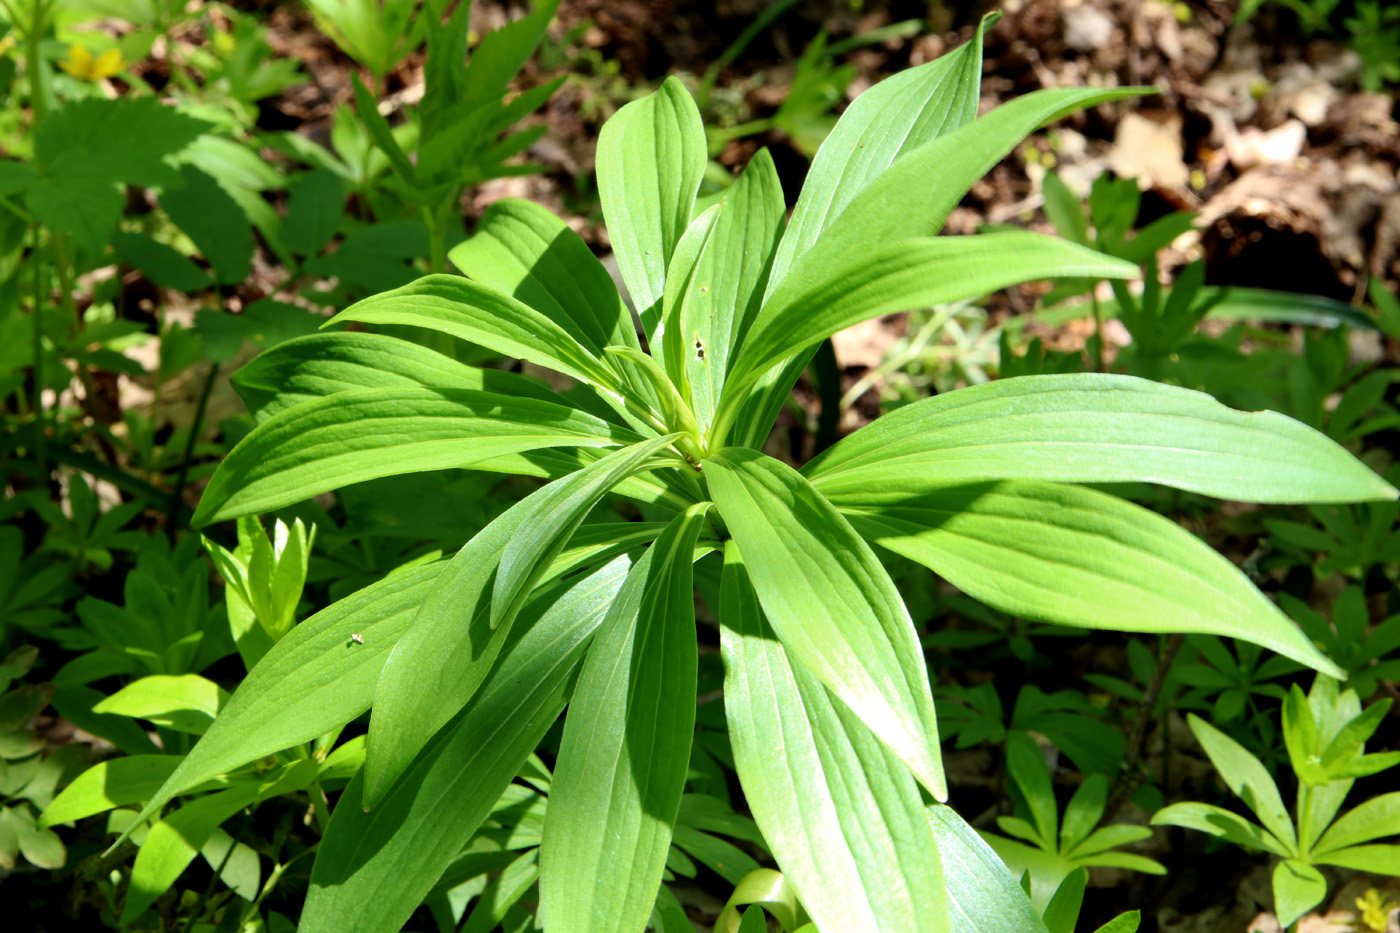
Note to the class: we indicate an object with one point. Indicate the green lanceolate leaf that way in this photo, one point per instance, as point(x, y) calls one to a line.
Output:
point(525, 251)
point(1298, 888)
point(1072, 556)
point(912, 198)
point(892, 119)
point(108, 784)
point(314, 680)
point(841, 814)
point(373, 868)
point(1221, 823)
point(982, 894)
point(831, 602)
point(897, 116)
point(173, 843)
point(726, 291)
point(1248, 778)
point(816, 301)
point(651, 156)
point(465, 620)
point(1375, 819)
point(680, 279)
point(477, 313)
point(626, 748)
point(1098, 429)
point(317, 365)
point(369, 433)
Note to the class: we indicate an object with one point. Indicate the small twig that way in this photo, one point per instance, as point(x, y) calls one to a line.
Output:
point(1131, 774)
point(178, 494)
point(40, 455)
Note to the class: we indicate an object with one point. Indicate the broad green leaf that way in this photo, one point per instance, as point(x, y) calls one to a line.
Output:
point(465, 619)
point(912, 198)
point(1373, 859)
point(815, 302)
point(831, 602)
point(525, 251)
point(172, 844)
point(365, 434)
point(669, 339)
point(163, 265)
point(84, 207)
point(316, 679)
point(1025, 764)
point(1083, 812)
point(766, 887)
point(895, 117)
point(1123, 923)
point(1298, 888)
point(501, 53)
point(1221, 823)
point(1062, 914)
point(313, 212)
point(125, 140)
point(626, 747)
point(503, 891)
point(1072, 556)
point(1247, 777)
point(205, 212)
point(651, 157)
point(1375, 819)
point(726, 290)
point(185, 703)
point(108, 784)
point(373, 868)
point(310, 367)
point(982, 894)
point(842, 815)
point(379, 131)
point(483, 315)
point(1097, 429)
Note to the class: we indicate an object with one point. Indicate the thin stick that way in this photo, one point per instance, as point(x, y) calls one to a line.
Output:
point(40, 454)
point(1131, 774)
point(177, 496)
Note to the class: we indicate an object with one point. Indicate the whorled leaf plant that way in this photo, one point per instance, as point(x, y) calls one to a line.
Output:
point(466, 663)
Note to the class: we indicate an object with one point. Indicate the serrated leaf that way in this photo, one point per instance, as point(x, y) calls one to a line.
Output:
point(314, 210)
point(206, 213)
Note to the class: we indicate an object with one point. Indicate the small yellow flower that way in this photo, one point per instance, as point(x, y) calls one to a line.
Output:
point(82, 65)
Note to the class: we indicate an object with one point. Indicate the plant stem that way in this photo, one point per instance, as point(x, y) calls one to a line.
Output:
point(34, 64)
point(1098, 332)
point(1130, 773)
point(40, 455)
point(178, 494)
